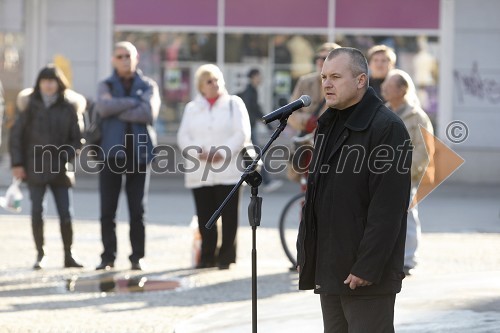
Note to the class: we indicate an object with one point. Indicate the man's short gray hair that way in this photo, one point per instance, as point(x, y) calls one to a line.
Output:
point(359, 65)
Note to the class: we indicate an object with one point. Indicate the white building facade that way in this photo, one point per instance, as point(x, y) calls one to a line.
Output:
point(470, 87)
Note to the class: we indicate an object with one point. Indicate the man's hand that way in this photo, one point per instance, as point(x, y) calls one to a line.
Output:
point(353, 281)
point(106, 96)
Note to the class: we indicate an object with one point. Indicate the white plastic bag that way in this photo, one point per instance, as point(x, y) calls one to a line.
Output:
point(13, 197)
point(196, 247)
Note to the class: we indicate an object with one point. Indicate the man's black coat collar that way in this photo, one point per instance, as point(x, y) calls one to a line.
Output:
point(361, 117)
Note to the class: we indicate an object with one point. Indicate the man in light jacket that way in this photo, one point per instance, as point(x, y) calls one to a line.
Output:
point(399, 92)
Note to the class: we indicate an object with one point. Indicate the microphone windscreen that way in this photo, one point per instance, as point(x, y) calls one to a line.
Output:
point(306, 100)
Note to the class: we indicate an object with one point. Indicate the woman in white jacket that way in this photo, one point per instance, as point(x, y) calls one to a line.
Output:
point(214, 129)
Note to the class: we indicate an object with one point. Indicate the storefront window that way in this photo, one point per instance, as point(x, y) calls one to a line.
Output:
point(281, 58)
point(11, 73)
point(416, 55)
point(172, 58)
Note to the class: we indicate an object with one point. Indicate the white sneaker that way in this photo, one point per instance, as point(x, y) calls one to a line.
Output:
point(273, 185)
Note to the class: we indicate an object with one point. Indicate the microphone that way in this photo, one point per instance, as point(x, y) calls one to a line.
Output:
point(287, 110)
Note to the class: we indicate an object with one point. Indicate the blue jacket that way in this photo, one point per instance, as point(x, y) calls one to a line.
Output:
point(139, 109)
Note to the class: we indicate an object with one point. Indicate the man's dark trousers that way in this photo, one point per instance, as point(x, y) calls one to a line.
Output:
point(110, 184)
point(358, 314)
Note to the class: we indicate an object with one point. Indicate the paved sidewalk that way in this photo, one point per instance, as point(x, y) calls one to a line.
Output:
point(444, 296)
point(455, 289)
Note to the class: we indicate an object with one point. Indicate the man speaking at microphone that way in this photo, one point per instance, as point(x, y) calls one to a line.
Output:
point(351, 238)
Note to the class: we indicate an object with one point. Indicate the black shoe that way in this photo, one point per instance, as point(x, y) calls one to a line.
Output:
point(40, 262)
point(204, 265)
point(223, 266)
point(136, 265)
point(105, 265)
point(70, 262)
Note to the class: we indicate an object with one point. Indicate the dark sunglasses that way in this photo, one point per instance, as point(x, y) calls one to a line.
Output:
point(122, 56)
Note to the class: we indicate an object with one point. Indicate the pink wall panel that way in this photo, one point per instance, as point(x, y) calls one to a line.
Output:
point(404, 14)
point(166, 12)
point(390, 14)
point(277, 13)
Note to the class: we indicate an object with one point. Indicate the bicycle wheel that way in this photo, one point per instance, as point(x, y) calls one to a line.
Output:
point(289, 226)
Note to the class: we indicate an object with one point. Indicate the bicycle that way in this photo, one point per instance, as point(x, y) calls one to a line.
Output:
point(289, 226)
point(291, 215)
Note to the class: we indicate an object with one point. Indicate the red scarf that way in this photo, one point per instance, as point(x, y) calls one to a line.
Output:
point(212, 101)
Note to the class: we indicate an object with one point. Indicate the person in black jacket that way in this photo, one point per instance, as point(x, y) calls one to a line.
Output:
point(251, 98)
point(352, 236)
point(43, 142)
point(381, 59)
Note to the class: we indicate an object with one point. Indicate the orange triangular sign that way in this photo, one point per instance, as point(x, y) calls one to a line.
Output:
point(443, 162)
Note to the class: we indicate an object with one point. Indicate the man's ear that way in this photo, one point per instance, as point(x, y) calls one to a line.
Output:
point(362, 80)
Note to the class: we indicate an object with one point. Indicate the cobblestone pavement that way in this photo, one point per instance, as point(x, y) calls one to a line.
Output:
point(40, 302)
point(456, 287)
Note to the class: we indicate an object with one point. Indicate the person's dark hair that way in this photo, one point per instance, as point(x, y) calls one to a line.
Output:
point(51, 72)
point(251, 73)
point(359, 65)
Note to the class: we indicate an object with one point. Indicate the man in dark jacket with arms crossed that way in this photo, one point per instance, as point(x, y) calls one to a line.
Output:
point(351, 239)
point(128, 103)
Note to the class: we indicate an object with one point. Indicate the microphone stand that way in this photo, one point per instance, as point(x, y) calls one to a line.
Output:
point(254, 179)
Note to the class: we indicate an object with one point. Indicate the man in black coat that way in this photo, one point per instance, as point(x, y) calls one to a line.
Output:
point(251, 99)
point(351, 239)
